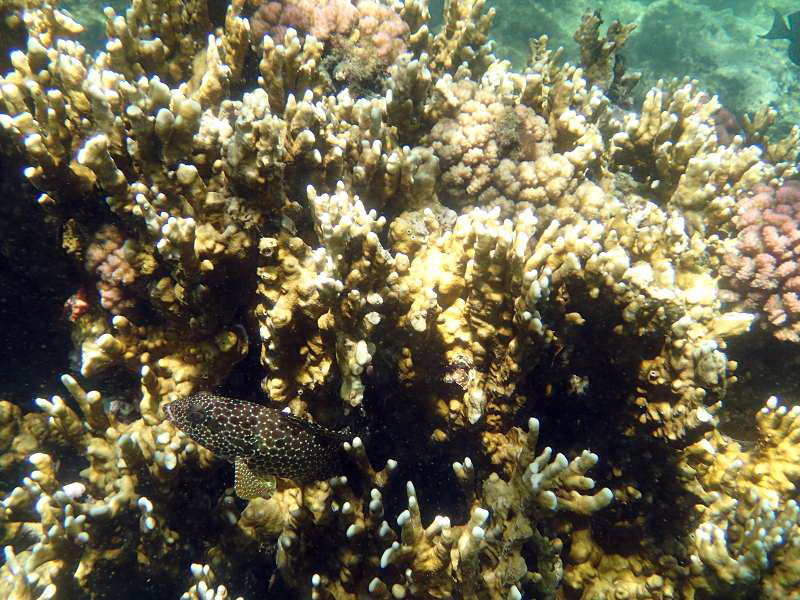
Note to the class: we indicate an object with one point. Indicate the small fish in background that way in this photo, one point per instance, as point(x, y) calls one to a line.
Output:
point(781, 31)
point(262, 442)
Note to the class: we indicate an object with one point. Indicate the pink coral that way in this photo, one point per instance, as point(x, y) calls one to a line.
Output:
point(76, 305)
point(762, 272)
point(320, 18)
point(380, 29)
point(383, 27)
point(110, 257)
point(494, 154)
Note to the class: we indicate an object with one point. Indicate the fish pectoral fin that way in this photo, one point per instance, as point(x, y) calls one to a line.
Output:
point(248, 485)
point(794, 22)
point(779, 29)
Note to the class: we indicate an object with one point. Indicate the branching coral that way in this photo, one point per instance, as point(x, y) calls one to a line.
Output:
point(748, 511)
point(602, 58)
point(479, 558)
point(673, 146)
point(363, 37)
point(70, 529)
point(438, 241)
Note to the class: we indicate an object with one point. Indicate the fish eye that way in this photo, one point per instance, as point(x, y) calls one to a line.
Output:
point(195, 414)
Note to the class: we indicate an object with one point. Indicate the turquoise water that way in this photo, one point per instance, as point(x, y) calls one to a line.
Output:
point(715, 42)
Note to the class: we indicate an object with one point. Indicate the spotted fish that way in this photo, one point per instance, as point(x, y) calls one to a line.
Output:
point(263, 443)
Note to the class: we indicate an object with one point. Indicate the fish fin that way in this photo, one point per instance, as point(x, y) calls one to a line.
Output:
point(794, 22)
point(779, 30)
point(248, 485)
point(315, 428)
point(335, 437)
point(794, 53)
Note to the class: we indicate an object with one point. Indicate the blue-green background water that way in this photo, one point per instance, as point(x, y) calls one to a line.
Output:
point(713, 41)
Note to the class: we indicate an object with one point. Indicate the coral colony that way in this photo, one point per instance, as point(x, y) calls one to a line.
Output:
point(394, 220)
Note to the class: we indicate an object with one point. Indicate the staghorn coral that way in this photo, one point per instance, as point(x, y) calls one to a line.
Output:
point(204, 587)
point(440, 244)
point(602, 58)
point(747, 512)
point(440, 559)
point(83, 518)
point(673, 147)
point(745, 516)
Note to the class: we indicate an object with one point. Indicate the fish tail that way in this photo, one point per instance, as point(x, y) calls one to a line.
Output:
point(779, 29)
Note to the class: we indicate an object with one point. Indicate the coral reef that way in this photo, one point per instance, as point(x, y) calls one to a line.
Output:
point(380, 29)
point(320, 19)
point(700, 39)
point(117, 265)
point(602, 59)
point(432, 239)
point(362, 37)
point(761, 266)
